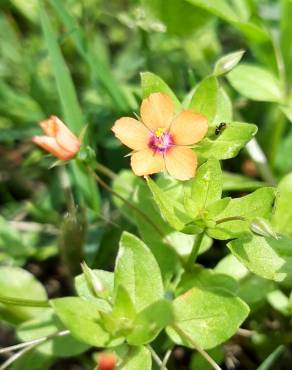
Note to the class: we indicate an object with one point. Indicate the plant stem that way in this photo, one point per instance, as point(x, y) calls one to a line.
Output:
point(196, 347)
point(195, 250)
point(28, 347)
point(156, 358)
point(23, 302)
point(105, 170)
point(129, 204)
point(165, 359)
point(34, 341)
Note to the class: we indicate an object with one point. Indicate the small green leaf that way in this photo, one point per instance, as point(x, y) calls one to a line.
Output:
point(138, 272)
point(166, 206)
point(272, 358)
point(207, 279)
point(206, 187)
point(152, 83)
point(205, 98)
point(207, 317)
point(279, 301)
point(119, 321)
point(228, 62)
point(287, 111)
point(83, 320)
point(256, 83)
point(266, 257)
point(224, 111)
point(150, 322)
point(235, 182)
point(282, 217)
point(228, 144)
point(245, 209)
point(47, 324)
point(220, 8)
point(18, 283)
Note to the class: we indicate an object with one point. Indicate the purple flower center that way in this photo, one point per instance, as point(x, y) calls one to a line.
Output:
point(160, 141)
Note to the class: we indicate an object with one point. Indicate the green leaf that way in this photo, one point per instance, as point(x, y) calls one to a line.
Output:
point(272, 358)
point(282, 216)
point(206, 187)
point(18, 283)
point(150, 322)
point(220, 8)
point(167, 206)
point(28, 8)
point(70, 106)
point(228, 144)
point(226, 63)
point(266, 257)
point(235, 182)
point(119, 322)
point(207, 317)
point(279, 301)
point(135, 358)
point(167, 13)
point(256, 83)
point(138, 272)
point(224, 111)
point(199, 362)
point(48, 324)
point(100, 70)
point(207, 279)
point(287, 111)
point(257, 204)
point(83, 320)
point(285, 35)
point(205, 98)
point(151, 83)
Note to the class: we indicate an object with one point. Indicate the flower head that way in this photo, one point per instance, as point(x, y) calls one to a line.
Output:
point(106, 361)
point(161, 139)
point(59, 140)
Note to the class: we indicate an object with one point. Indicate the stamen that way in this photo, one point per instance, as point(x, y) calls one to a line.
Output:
point(160, 141)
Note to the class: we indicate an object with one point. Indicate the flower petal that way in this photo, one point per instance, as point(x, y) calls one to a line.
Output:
point(131, 133)
point(189, 128)
point(181, 162)
point(50, 145)
point(157, 111)
point(146, 162)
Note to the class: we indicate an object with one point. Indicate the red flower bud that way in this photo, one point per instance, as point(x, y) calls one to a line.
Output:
point(107, 361)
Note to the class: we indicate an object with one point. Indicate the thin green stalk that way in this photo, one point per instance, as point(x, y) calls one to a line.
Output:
point(207, 357)
point(29, 346)
point(156, 358)
point(195, 251)
point(129, 204)
point(23, 302)
point(105, 171)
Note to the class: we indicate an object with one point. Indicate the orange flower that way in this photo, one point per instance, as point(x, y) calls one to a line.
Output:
point(59, 140)
point(106, 361)
point(162, 138)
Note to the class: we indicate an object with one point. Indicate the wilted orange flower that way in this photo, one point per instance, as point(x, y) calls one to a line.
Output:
point(160, 141)
point(59, 140)
point(106, 361)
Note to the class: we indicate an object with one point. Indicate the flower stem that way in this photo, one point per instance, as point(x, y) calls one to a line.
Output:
point(129, 204)
point(27, 347)
point(156, 358)
point(207, 357)
point(195, 250)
